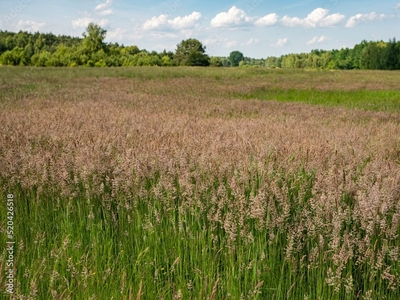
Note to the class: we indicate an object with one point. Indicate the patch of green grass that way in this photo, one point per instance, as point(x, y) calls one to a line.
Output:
point(370, 90)
point(379, 100)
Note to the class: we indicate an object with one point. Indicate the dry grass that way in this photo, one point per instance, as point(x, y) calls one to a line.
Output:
point(117, 131)
point(185, 122)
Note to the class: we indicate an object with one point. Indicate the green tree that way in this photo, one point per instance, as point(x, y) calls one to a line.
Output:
point(43, 59)
point(370, 57)
point(14, 57)
point(225, 62)
point(215, 62)
point(166, 61)
point(391, 55)
point(131, 50)
point(191, 52)
point(94, 38)
point(235, 57)
point(39, 44)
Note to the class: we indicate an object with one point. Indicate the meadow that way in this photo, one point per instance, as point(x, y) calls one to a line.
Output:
point(201, 183)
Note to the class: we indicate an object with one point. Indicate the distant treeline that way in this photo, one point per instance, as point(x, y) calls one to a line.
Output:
point(366, 55)
point(47, 49)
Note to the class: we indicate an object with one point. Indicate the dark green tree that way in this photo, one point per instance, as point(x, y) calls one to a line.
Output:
point(235, 57)
point(391, 55)
point(191, 52)
point(132, 50)
point(370, 57)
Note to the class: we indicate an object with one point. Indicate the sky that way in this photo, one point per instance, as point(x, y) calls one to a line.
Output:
point(257, 28)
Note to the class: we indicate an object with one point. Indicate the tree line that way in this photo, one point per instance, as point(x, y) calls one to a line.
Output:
point(47, 49)
point(370, 55)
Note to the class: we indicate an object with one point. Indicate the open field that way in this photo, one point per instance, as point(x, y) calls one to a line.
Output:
point(188, 183)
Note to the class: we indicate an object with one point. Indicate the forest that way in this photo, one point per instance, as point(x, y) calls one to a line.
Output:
point(367, 55)
point(90, 50)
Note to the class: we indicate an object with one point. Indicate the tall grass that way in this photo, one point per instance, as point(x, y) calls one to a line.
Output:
point(166, 188)
point(203, 242)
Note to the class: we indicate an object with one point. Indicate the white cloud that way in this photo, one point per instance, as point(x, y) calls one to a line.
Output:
point(189, 21)
point(213, 43)
point(162, 22)
point(210, 42)
point(317, 39)
point(84, 22)
point(230, 44)
point(319, 17)
point(116, 34)
point(280, 43)
point(291, 22)
point(251, 42)
point(30, 25)
point(362, 18)
point(156, 22)
point(106, 12)
point(103, 5)
point(165, 36)
point(267, 20)
point(234, 17)
point(397, 6)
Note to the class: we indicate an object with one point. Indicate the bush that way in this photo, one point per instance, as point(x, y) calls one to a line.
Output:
point(90, 63)
point(14, 57)
point(41, 59)
point(101, 63)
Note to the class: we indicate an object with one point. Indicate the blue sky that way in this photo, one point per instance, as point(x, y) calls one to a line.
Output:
point(258, 28)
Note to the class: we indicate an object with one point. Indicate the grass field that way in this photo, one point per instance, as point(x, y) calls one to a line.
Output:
point(200, 183)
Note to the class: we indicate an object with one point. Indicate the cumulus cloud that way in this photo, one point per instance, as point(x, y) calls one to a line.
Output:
point(116, 34)
point(156, 22)
point(234, 17)
point(211, 42)
point(397, 6)
point(30, 25)
point(84, 22)
point(230, 44)
point(106, 12)
point(219, 40)
point(251, 42)
point(280, 43)
point(103, 5)
point(162, 22)
point(189, 21)
point(319, 17)
point(165, 36)
point(317, 39)
point(103, 8)
point(362, 18)
point(267, 20)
